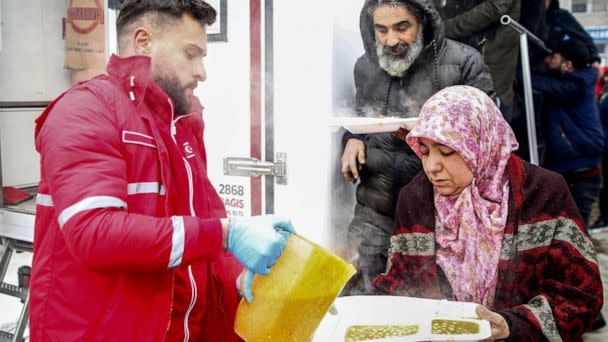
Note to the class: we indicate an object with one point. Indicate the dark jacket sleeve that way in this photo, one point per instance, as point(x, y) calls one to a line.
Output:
point(604, 111)
point(476, 73)
point(521, 329)
point(360, 101)
point(604, 119)
point(533, 17)
point(477, 18)
point(348, 135)
point(562, 89)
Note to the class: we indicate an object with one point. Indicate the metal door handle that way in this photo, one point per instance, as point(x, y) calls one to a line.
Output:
point(252, 167)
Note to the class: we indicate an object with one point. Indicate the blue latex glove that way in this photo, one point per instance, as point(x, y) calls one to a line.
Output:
point(258, 241)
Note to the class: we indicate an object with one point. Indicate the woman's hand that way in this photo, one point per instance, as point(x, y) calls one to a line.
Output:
point(500, 328)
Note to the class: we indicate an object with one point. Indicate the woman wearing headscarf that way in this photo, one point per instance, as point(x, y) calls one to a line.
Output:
point(480, 225)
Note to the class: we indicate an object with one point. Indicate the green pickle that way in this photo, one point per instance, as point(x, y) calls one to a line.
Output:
point(371, 332)
point(449, 327)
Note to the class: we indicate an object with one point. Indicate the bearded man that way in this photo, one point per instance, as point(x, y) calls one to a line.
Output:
point(132, 240)
point(406, 60)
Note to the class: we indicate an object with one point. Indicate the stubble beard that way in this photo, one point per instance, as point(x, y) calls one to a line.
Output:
point(171, 86)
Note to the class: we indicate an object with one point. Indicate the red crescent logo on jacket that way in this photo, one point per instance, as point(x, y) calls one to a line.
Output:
point(188, 149)
point(94, 14)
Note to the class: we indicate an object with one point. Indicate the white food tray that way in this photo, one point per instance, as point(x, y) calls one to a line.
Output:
point(394, 310)
point(361, 125)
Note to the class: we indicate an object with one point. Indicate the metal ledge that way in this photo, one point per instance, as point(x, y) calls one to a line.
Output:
point(14, 291)
point(17, 226)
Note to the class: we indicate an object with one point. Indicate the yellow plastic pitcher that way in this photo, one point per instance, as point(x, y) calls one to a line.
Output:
point(291, 301)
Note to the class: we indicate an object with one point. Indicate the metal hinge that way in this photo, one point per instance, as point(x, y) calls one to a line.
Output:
point(252, 167)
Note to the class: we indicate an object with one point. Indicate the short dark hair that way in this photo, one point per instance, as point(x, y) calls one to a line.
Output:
point(162, 11)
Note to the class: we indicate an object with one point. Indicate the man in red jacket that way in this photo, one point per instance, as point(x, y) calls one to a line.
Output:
point(131, 239)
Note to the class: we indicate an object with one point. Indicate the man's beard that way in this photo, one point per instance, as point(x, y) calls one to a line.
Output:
point(171, 86)
point(397, 66)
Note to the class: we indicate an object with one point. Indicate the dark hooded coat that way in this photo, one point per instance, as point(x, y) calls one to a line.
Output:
point(477, 21)
point(561, 24)
point(390, 163)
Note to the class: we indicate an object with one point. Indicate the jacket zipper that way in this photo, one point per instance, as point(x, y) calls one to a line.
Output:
point(171, 306)
point(132, 96)
point(194, 294)
point(563, 134)
point(190, 274)
point(192, 212)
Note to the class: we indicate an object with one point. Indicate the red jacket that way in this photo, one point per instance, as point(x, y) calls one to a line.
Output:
point(127, 238)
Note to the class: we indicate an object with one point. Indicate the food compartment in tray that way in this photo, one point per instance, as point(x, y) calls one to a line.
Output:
point(395, 318)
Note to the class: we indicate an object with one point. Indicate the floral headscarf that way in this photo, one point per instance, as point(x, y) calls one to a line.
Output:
point(469, 227)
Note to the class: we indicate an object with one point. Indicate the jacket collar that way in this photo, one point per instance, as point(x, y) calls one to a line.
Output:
point(134, 75)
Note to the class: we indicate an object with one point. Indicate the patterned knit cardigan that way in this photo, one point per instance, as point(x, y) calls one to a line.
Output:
point(549, 285)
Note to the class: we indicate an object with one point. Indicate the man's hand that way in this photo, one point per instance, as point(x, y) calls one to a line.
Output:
point(258, 241)
point(500, 328)
point(354, 152)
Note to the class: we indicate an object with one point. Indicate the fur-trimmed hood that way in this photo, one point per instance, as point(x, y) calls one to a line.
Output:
point(433, 29)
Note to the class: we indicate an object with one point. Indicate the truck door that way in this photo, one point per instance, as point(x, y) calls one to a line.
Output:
point(268, 98)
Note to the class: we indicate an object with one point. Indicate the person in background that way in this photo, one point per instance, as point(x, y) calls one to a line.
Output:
point(406, 60)
point(477, 23)
point(571, 123)
point(132, 240)
point(562, 24)
point(533, 17)
point(602, 220)
point(599, 85)
point(480, 225)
